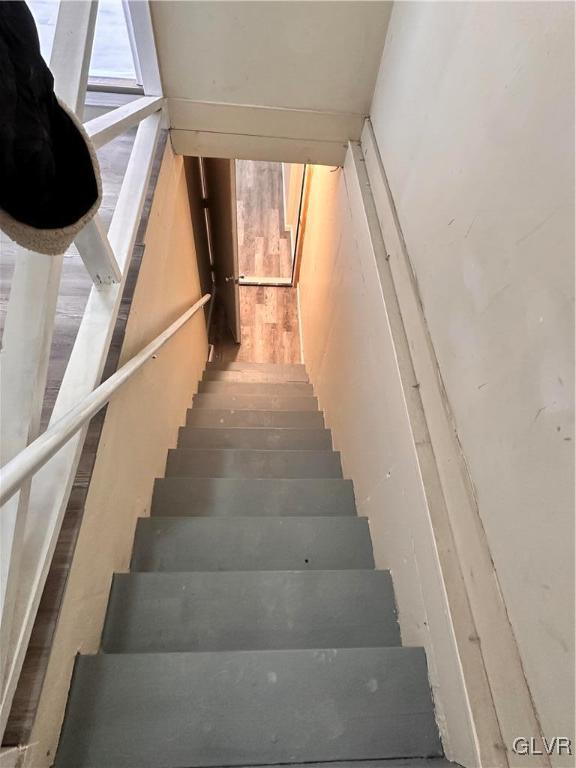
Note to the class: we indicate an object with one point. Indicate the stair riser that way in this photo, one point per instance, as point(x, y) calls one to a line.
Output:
point(224, 417)
point(266, 707)
point(298, 389)
point(252, 463)
point(255, 402)
point(254, 376)
point(239, 497)
point(152, 613)
point(252, 544)
point(263, 439)
point(276, 368)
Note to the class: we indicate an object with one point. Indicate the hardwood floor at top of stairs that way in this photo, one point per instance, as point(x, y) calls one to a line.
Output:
point(270, 332)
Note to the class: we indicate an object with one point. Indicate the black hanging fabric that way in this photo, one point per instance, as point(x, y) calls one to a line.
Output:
point(49, 177)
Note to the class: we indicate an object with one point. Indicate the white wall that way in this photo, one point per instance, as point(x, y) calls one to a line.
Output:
point(350, 355)
point(280, 70)
point(473, 115)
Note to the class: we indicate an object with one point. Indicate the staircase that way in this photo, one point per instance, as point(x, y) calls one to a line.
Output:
point(252, 628)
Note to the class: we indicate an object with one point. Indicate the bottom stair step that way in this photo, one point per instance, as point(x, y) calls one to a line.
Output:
point(183, 710)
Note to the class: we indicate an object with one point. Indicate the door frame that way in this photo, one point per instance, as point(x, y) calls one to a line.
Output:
point(281, 282)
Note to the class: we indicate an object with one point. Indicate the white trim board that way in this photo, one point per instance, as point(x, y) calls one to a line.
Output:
point(274, 122)
point(508, 695)
point(418, 549)
point(250, 132)
point(247, 147)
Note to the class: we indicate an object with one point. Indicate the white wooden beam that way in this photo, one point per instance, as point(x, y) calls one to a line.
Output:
point(106, 127)
point(145, 46)
point(51, 486)
point(97, 254)
point(72, 51)
point(28, 333)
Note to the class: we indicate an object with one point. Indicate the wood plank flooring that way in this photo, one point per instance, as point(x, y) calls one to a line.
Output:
point(269, 321)
point(263, 243)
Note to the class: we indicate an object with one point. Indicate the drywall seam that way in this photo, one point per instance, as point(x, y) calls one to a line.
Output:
point(509, 691)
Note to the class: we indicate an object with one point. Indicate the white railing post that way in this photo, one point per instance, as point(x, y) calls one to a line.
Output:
point(28, 332)
point(145, 45)
point(51, 486)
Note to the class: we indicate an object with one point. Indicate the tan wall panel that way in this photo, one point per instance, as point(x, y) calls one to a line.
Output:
point(141, 424)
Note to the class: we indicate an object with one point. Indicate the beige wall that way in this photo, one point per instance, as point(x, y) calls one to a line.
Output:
point(350, 356)
point(141, 424)
point(473, 115)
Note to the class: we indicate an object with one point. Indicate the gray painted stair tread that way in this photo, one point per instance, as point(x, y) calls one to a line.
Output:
point(268, 610)
point(271, 438)
point(283, 389)
point(246, 497)
point(229, 417)
point(246, 366)
point(251, 543)
point(400, 762)
point(231, 462)
point(181, 710)
point(256, 402)
point(253, 375)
